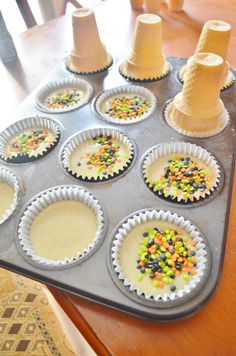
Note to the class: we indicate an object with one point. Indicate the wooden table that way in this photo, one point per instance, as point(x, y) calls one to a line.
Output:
point(212, 329)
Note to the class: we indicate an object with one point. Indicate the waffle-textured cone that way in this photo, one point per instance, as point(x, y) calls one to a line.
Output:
point(198, 108)
point(146, 60)
point(88, 53)
point(215, 38)
point(175, 5)
point(152, 6)
point(136, 4)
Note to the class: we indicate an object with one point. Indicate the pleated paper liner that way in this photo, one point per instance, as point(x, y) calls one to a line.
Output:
point(40, 207)
point(12, 181)
point(229, 82)
point(155, 172)
point(225, 119)
point(99, 70)
point(145, 80)
point(124, 258)
point(88, 155)
point(146, 104)
point(64, 95)
point(17, 144)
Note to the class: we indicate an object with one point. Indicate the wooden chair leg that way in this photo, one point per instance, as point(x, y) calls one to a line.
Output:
point(26, 13)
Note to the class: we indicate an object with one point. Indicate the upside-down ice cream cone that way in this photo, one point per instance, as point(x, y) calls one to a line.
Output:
point(197, 108)
point(175, 5)
point(215, 38)
point(88, 54)
point(136, 4)
point(152, 6)
point(146, 60)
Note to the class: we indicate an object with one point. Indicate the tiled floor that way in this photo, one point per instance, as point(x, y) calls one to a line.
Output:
point(32, 323)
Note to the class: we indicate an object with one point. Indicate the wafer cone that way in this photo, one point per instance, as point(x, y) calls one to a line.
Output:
point(136, 4)
point(175, 5)
point(88, 54)
point(214, 38)
point(146, 60)
point(198, 108)
point(152, 6)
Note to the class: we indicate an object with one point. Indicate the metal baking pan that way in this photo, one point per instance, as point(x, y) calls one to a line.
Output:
point(127, 194)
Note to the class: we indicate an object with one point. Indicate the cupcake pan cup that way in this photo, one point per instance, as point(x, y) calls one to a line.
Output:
point(101, 105)
point(225, 120)
point(186, 148)
point(45, 199)
point(81, 137)
point(85, 88)
point(28, 123)
point(132, 289)
point(11, 179)
point(93, 277)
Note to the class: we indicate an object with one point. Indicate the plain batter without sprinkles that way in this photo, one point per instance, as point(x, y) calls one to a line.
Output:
point(63, 229)
point(99, 157)
point(6, 198)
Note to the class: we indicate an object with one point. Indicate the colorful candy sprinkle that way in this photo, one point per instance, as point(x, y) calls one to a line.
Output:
point(63, 98)
point(27, 142)
point(164, 255)
point(182, 176)
point(105, 158)
point(127, 107)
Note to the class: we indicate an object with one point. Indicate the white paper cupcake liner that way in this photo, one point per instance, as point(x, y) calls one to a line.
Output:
point(39, 122)
point(224, 122)
point(146, 80)
point(101, 104)
point(228, 84)
point(47, 198)
point(175, 148)
point(201, 248)
point(10, 178)
point(85, 88)
point(99, 70)
point(81, 137)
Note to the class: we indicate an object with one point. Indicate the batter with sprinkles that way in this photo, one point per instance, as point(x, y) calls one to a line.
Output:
point(127, 107)
point(180, 177)
point(31, 142)
point(63, 98)
point(166, 255)
point(99, 157)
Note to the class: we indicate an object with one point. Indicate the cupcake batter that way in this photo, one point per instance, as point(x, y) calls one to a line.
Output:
point(180, 176)
point(32, 142)
point(6, 197)
point(99, 157)
point(63, 229)
point(63, 98)
point(132, 251)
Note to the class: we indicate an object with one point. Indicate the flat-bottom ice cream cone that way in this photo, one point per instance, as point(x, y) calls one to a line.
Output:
point(146, 61)
point(214, 38)
point(88, 65)
point(88, 55)
point(133, 72)
point(175, 5)
point(227, 81)
point(197, 109)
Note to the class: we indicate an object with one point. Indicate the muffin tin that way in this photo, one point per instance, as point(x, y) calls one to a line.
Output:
point(94, 279)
